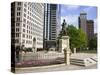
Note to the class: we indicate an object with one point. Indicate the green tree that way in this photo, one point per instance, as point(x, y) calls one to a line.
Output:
point(82, 39)
point(93, 43)
point(73, 34)
point(78, 38)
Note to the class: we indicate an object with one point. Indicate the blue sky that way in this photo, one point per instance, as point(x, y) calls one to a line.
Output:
point(71, 12)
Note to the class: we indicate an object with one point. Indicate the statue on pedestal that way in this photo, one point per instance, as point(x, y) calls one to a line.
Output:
point(64, 30)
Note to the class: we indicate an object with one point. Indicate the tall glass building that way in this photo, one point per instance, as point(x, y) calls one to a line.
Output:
point(86, 25)
point(51, 24)
point(82, 21)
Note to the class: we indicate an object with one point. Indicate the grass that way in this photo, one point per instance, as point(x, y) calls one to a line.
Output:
point(87, 51)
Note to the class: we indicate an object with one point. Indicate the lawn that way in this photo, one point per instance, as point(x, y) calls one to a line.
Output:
point(87, 51)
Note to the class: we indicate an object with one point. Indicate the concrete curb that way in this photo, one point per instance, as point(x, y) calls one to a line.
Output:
point(41, 67)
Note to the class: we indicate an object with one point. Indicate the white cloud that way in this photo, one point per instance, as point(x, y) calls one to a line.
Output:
point(71, 19)
point(72, 7)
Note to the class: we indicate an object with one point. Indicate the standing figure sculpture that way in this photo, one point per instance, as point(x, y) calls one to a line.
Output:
point(64, 31)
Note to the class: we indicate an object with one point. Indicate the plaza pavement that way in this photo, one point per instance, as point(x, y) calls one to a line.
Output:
point(60, 67)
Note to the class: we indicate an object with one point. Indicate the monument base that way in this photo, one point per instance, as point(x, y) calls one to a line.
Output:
point(63, 43)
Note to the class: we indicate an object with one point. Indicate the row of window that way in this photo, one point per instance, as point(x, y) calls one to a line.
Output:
point(31, 19)
point(39, 43)
point(18, 35)
point(28, 31)
point(19, 3)
point(31, 9)
point(28, 42)
point(17, 41)
point(25, 41)
point(29, 23)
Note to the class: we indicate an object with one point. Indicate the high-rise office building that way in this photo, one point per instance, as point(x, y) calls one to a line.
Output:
point(82, 21)
point(90, 29)
point(27, 20)
point(51, 23)
point(86, 25)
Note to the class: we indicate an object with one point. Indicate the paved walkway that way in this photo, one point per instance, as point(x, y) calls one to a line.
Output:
point(83, 55)
point(60, 67)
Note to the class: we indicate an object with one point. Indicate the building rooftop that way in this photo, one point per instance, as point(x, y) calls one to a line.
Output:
point(83, 13)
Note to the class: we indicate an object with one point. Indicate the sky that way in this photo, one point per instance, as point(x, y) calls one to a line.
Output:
point(71, 12)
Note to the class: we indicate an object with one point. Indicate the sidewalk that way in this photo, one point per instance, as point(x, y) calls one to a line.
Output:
point(61, 67)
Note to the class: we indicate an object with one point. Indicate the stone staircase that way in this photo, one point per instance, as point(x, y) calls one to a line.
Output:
point(84, 62)
point(79, 62)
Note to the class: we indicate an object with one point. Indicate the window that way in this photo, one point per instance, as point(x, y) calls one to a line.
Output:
point(24, 10)
point(18, 18)
point(17, 34)
point(23, 35)
point(18, 8)
point(17, 29)
point(18, 13)
point(17, 41)
point(27, 17)
point(24, 15)
point(27, 36)
point(23, 41)
point(25, 5)
point(24, 20)
point(23, 30)
point(27, 26)
point(24, 25)
point(28, 8)
point(28, 12)
point(19, 3)
point(17, 24)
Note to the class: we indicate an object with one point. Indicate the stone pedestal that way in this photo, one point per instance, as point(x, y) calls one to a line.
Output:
point(63, 43)
point(67, 56)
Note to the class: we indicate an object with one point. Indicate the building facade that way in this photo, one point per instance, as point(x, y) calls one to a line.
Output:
point(83, 21)
point(51, 23)
point(86, 25)
point(90, 29)
point(27, 20)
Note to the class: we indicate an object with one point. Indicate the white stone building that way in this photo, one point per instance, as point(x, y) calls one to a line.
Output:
point(27, 20)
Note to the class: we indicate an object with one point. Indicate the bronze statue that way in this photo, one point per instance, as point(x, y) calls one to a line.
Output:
point(64, 31)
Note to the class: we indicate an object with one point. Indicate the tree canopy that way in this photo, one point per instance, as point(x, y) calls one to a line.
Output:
point(78, 38)
point(93, 43)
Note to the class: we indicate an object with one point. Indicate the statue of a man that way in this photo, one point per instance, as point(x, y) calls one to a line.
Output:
point(64, 31)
